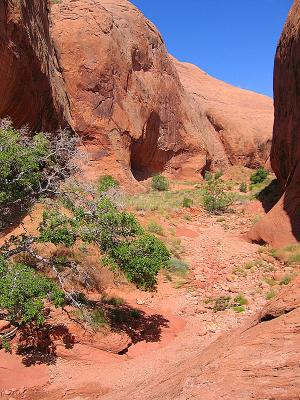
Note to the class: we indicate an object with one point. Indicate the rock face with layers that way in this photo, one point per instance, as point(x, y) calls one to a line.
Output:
point(31, 85)
point(101, 67)
point(282, 225)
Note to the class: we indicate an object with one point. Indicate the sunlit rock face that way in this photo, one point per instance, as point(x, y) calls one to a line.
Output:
point(103, 68)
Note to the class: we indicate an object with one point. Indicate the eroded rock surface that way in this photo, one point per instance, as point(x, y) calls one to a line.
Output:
point(240, 118)
point(31, 85)
point(103, 68)
point(282, 225)
point(258, 361)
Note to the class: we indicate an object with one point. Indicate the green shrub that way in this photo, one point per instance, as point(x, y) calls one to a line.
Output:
point(240, 300)
point(94, 317)
point(154, 227)
point(114, 301)
point(97, 318)
point(114, 228)
point(187, 203)
point(141, 260)
point(259, 176)
point(239, 309)
point(117, 233)
point(4, 343)
point(23, 291)
point(286, 280)
point(56, 228)
point(31, 166)
point(160, 183)
point(208, 176)
point(215, 199)
point(107, 182)
point(243, 187)
point(20, 164)
point(294, 258)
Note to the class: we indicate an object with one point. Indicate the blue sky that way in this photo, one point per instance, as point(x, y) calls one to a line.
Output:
point(233, 40)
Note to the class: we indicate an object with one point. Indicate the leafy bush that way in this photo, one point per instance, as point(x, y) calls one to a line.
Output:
point(56, 228)
point(187, 203)
point(117, 233)
point(94, 317)
point(259, 176)
point(107, 182)
point(5, 344)
point(20, 164)
point(141, 259)
point(215, 199)
point(243, 187)
point(23, 291)
point(160, 183)
point(31, 166)
point(115, 227)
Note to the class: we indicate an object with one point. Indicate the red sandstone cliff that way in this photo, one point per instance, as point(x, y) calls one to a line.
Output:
point(240, 118)
point(282, 225)
point(103, 68)
point(31, 85)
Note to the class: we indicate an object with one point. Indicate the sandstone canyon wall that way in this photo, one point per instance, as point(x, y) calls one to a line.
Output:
point(241, 119)
point(282, 225)
point(31, 86)
point(103, 68)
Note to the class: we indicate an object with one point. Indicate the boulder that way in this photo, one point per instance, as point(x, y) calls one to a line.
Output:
point(4, 325)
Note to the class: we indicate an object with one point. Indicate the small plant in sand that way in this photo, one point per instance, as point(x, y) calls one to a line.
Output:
point(240, 300)
point(259, 176)
point(286, 280)
point(222, 303)
point(160, 183)
point(215, 198)
point(243, 187)
point(271, 294)
point(187, 202)
point(107, 182)
point(208, 176)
